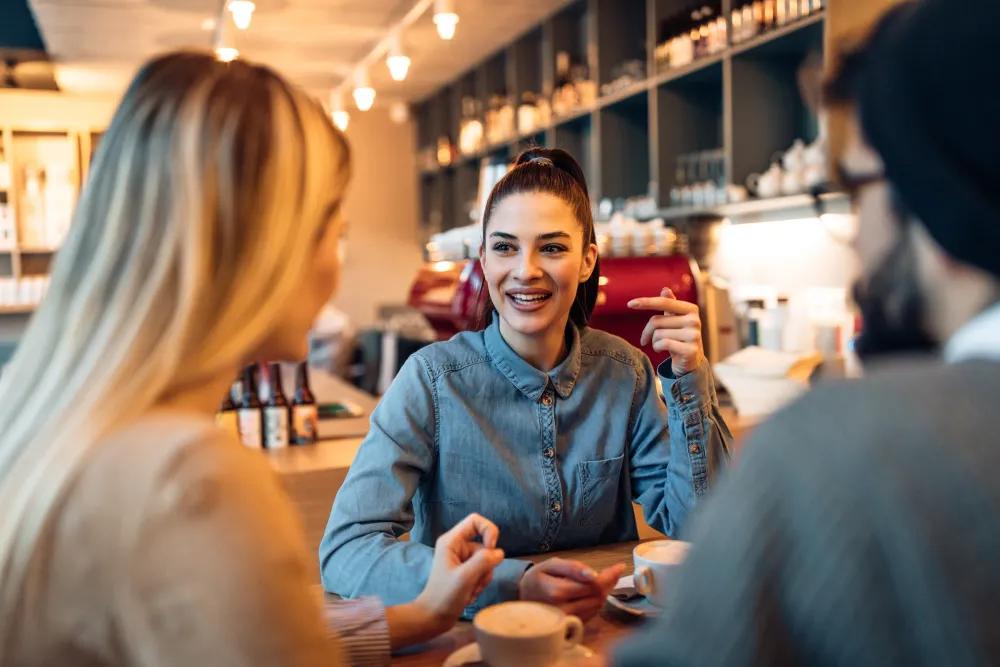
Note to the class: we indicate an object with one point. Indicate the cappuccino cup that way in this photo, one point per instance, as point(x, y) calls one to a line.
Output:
point(656, 565)
point(525, 634)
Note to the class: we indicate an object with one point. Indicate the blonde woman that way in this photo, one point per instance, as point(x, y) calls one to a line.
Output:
point(132, 531)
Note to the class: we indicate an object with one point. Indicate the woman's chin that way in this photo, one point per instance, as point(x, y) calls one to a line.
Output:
point(527, 324)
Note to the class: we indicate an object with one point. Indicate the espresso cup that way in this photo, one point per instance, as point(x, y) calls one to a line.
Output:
point(656, 564)
point(525, 634)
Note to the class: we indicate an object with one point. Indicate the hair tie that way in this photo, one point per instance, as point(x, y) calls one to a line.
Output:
point(541, 160)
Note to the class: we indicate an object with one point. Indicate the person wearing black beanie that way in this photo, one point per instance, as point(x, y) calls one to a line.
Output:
point(861, 525)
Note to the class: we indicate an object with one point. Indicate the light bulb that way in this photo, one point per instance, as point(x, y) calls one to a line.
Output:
point(364, 97)
point(341, 119)
point(399, 112)
point(445, 18)
point(338, 113)
point(226, 54)
point(399, 66)
point(242, 11)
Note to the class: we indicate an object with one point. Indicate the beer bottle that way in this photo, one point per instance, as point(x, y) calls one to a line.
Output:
point(249, 413)
point(226, 417)
point(305, 415)
point(276, 433)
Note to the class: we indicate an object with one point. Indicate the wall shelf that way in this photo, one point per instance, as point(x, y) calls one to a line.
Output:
point(26, 309)
point(743, 101)
point(754, 210)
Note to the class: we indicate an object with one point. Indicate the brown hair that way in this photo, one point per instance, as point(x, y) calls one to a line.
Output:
point(551, 170)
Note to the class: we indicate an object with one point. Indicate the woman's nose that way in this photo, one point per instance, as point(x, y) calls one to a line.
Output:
point(528, 268)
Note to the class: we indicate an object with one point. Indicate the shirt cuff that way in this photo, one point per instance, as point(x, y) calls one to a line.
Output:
point(694, 389)
point(361, 628)
point(503, 588)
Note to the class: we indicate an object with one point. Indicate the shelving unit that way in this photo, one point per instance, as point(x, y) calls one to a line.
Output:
point(743, 100)
point(71, 148)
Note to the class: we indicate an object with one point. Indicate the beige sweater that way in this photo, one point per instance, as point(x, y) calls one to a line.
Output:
point(174, 546)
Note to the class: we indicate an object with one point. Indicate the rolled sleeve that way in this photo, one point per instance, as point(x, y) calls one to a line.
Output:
point(693, 409)
point(361, 553)
point(362, 629)
point(676, 447)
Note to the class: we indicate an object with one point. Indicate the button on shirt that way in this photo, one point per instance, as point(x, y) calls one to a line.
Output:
point(554, 459)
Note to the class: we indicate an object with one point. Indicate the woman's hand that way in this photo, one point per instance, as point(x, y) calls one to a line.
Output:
point(570, 585)
point(462, 568)
point(677, 331)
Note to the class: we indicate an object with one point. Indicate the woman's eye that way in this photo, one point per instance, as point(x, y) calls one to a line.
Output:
point(553, 248)
point(502, 247)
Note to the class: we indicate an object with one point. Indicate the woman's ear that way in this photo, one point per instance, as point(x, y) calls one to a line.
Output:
point(589, 262)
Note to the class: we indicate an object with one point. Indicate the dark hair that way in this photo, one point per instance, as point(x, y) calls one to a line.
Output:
point(551, 170)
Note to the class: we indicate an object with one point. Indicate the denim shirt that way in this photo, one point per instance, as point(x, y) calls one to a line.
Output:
point(554, 459)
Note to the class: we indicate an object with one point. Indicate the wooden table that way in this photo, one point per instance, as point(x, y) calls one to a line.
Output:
point(602, 632)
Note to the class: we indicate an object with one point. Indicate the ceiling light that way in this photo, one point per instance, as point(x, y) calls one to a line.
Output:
point(224, 44)
point(226, 54)
point(399, 112)
point(242, 11)
point(339, 114)
point(364, 94)
point(397, 62)
point(445, 18)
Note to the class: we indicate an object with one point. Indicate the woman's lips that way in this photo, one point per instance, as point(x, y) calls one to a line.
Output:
point(528, 300)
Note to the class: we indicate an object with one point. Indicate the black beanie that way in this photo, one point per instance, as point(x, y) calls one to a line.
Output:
point(930, 105)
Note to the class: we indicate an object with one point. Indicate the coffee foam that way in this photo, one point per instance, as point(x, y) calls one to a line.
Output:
point(518, 620)
point(663, 551)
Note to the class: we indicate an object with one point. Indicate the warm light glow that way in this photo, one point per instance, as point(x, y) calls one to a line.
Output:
point(446, 25)
point(242, 11)
point(399, 112)
point(341, 119)
point(443, 266)
point(337, 111)
point(227, 54)
point(399, 66)
point(364, 97)
point(445, 18)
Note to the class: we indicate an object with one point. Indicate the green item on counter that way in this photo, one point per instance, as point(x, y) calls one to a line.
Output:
point(339, 410)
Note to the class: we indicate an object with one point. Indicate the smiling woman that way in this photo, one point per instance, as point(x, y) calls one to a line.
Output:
point(545, 426)
point(539, 255)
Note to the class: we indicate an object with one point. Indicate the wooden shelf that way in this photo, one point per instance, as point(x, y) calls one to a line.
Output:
point(675, 73)
point(37, 250)
point(24, 309)
point(792, 206)
point(743, 100)
point(777, 33)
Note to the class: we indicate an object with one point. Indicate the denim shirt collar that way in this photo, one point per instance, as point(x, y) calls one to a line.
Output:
point(529, 380)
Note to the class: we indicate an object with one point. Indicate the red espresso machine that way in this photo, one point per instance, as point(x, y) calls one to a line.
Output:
point(448, 293)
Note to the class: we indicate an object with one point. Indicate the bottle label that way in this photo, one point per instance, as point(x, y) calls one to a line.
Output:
point(276, 427)
point(229, 422)
point(305, 424)
point(249, 425)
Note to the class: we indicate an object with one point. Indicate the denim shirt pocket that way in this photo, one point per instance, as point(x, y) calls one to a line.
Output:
point(598, 482)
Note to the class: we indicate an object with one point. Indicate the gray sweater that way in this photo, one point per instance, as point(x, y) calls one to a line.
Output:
point(860, 527)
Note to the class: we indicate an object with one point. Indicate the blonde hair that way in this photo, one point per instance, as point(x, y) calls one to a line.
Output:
point(205, 203)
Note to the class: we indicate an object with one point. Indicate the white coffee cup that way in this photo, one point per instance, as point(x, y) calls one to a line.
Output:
point(768, 184)
point(656, 564)
point(525, 634)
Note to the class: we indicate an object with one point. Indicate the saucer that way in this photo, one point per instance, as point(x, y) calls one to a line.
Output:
point(638, 608)
point(634, 605)
point(469, 655)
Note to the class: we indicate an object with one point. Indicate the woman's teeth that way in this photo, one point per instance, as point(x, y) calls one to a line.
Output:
point(529, 298)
